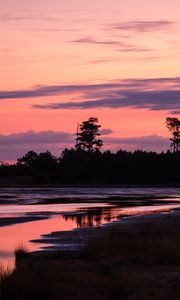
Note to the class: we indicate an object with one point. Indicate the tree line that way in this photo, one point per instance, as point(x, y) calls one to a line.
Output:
point(87, 164)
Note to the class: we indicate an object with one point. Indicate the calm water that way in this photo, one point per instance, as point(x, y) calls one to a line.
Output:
point(27, 214)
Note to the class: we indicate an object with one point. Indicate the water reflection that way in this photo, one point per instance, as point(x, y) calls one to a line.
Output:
point(21, 221)
point(92, 217)
point(23, 233)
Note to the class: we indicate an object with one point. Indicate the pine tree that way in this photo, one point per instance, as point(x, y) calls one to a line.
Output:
point(173, 124)
point(87, 134)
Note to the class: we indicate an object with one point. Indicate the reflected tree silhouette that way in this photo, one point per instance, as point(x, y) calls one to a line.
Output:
point(90, 218)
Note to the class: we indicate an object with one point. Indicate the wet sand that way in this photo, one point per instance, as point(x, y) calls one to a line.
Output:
point(134, 258)
point(76, 239)
point(68, 218)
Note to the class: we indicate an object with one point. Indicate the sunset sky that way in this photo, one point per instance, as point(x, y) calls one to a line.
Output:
point(63, 61)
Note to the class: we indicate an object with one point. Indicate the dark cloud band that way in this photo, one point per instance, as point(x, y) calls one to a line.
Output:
point(151, 94)
point(14, 146)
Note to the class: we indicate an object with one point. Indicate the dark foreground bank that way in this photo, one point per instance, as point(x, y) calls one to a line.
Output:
point(137, 259)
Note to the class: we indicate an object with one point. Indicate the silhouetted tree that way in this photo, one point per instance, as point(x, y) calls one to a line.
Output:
point(87, 136)
point(46, 161)
point(28, 159)
point(85, 165)
point(96, 167)
point(173, 124)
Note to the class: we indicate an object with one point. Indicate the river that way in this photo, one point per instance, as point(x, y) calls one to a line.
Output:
point(26, 214)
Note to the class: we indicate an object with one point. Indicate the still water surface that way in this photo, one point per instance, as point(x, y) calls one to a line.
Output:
point(27, 214)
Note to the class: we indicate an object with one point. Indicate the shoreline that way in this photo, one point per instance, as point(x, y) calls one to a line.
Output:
point(75, 240)
point(136, 258)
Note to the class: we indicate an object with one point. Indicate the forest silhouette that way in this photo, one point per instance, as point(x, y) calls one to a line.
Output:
point(87, 164)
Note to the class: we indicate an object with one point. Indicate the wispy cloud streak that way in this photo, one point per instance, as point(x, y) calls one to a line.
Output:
point(143, 26)
point(152, 100)
point(151, 94)
point(120, 45)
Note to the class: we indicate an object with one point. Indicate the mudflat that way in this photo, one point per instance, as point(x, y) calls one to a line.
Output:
point(136, 258)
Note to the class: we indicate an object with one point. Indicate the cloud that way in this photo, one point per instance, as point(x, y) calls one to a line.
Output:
point(106, 131)
point(143, 26)
point(16, 145)
point(101, 61)
point(151, 94)
point(35, 92)
point(32, 137)
point(143, 142)
point(148, 140)
point(43, 138)
point(51, 90)
point(45, 91)
point(151, 100)
point(175, 112)
point(121, 46)
point(89, 40)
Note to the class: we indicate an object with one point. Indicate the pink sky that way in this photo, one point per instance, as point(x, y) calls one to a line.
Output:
point(65, 61)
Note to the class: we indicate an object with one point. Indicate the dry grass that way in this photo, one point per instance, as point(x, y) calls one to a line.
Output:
point(147, 245)
point(21, 251)
point(5, 271)
point(129, 263)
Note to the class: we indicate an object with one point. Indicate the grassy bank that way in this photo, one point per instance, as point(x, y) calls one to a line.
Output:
point(137, 260)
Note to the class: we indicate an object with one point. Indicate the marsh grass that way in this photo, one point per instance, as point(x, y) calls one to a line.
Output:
point(21, 251)
point(152, 244)
point(141, 261)
point(5, 271)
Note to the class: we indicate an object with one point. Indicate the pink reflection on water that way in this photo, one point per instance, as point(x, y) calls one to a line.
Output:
point(12, 236)
point(21, 234)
